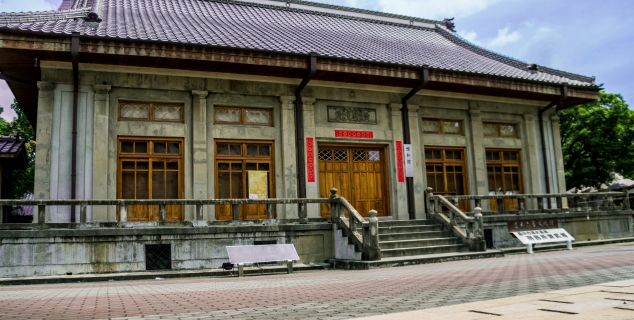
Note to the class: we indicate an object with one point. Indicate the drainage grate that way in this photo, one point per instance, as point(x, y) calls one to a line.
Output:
point(158, 256)
point(484, 312)
point(558, 311)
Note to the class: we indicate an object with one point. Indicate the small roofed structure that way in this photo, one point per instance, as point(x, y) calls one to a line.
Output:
point(12, 156)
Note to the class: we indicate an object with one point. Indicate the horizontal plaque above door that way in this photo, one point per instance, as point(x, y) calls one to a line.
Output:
point(351, 115)
point(359, 134)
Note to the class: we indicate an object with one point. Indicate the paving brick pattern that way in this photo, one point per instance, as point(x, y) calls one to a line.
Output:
point(322, 294)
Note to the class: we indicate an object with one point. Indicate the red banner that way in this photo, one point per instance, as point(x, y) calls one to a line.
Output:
point(359, 134)
point(399, 161)
point(310, 159)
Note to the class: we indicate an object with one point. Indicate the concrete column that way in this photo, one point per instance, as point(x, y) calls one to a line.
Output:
point(399, 190)
point(531, 171)
point(312, 188)
point(100, 153)
point(559, 159)
point(199, 152)
point(289, 160)
point(42, 189)
point(419, 162)
point(477, 153)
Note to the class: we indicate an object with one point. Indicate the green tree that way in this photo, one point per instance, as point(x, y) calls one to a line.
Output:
point(597, 139)
point(23, 178)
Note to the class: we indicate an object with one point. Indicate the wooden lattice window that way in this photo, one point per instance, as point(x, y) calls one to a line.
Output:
point(504, 173)
point(150, 169)
point(439, 126)
point(147, 111)
point(508, 130)
point(446, 171)
point(246, 116)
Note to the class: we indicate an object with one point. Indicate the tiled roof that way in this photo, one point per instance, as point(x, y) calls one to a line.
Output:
point(10, 145)
point(241, 25)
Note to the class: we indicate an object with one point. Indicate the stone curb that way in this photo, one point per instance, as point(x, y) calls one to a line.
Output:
point(148, 275)
point(558, 246)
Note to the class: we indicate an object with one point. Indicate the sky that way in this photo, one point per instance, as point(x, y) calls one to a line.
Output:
point(588, 37)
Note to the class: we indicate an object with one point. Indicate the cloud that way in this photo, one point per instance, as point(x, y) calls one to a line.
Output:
point(435, 9)
point(23, 6)
point(503, 38)
point(6, 99)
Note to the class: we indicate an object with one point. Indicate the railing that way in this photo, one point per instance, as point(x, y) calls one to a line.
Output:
point(362, 233)
point(473, 232)
point(366, 241)
point(577, 202)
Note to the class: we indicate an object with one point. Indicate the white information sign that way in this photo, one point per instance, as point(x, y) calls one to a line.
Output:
point(531, 237)
point(409, 160)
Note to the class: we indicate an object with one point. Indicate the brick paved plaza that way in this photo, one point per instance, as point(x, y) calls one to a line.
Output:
point(323, 294)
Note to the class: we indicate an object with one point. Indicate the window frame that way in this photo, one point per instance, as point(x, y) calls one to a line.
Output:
point(441, 126)
point(506, 163)
point(151, 107)
point(243, 116)
point(444, 162)
point(499, 130)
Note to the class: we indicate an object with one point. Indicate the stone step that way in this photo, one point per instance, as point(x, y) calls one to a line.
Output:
point(402, 252)
point(417, 243)
point(415, 235)
point(408, 229)
point(395, 223)
point(414, 260)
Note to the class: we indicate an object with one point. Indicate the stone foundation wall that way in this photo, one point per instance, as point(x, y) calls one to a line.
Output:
point(582, 226)
point(104, 250)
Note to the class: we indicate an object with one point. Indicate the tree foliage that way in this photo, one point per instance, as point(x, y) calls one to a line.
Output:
point(597, 140)
point(22, 179)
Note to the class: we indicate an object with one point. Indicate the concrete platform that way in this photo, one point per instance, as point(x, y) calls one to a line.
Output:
point(414, 260)
point(163, 274)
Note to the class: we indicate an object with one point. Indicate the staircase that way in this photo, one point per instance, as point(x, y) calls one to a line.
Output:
point(410, 242)
point(416, 237)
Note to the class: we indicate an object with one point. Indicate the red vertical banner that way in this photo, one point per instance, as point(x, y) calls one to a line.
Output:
point(400, 170)
point(310, 159)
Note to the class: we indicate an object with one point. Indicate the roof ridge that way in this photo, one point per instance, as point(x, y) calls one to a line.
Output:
point(358, 10)
point(42, 16)
point(514, 62)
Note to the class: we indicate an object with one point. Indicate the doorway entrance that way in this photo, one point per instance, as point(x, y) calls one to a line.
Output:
point(359, 173)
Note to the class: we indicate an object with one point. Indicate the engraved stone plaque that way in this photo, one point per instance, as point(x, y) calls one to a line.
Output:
point(351, 115)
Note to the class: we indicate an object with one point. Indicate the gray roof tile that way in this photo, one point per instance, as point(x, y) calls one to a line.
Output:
point(10, 145)
point(227, 23)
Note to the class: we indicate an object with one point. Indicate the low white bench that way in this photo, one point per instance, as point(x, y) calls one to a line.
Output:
point(531, 237)
point(239, 255)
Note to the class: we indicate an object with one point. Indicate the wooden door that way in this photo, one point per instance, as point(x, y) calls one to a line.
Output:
point(244, 169)
point(358, 173)
point(504, 176)
point(446, 171)
point(150, 169)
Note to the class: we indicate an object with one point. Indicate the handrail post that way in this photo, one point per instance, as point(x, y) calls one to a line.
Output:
point(123, 213)
point(162, 213)
point(520, 203)
point(41, 214)
point(626, 199)
point(352, 222)
point(335, 206)
point(478, 203)
point(371, 250)
point(82, 213)
point(428, 194)
point(437, 206)
point(595, 203)
point(540, 204)
point(455, 202)
point(235, 212)
point(269, 211)
point(560, 204)
point(478, 230)
point(199, 212)
point(500, 205)
point(303, 213)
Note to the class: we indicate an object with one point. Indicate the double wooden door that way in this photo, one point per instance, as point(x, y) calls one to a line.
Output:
point(358, 173)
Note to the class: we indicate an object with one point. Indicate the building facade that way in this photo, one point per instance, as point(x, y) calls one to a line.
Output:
point(205, 104)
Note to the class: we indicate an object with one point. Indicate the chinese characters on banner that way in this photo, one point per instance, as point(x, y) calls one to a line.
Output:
point(310, 159)
point(400, 171)
point(409, 161)
point(534, 224)
point(358, 134)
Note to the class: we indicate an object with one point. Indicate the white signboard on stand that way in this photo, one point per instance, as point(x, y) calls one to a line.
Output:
point(409, 160)
point(531, 237)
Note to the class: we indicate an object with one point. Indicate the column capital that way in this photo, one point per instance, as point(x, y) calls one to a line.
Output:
point(308, 100)
point(412, 108)
point(555, 119)
point(46, 85)
point(287, 99)
point(529, 117)
point(200, 93)
point(475, 112)
point(102, 88)
point(396, 106)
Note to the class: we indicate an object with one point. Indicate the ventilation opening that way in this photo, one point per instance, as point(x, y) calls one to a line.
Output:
point(488, 238)
point(158, 256)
